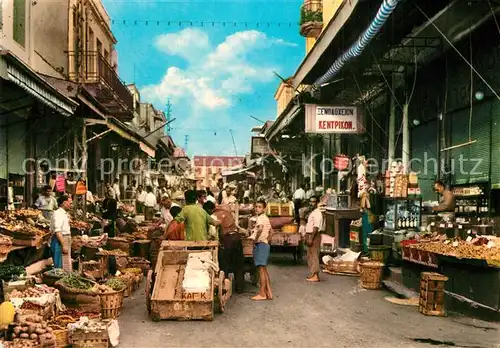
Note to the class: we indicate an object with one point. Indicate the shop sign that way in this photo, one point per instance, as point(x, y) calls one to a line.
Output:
point(260, 146)
point(332, 119)
point(341, 162)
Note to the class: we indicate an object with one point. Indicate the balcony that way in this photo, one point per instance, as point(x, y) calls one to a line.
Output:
point(102, 82)
point(311, 18)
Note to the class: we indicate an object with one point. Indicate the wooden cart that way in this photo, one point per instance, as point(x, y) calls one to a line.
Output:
point(291, 242)
point(165, 298)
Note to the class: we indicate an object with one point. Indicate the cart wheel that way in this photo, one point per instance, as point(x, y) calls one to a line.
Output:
point(149, 288)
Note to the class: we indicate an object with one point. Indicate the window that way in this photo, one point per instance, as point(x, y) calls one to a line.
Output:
point(19, 22)
point(106, 56)
point(99, 47)
point(91, 58)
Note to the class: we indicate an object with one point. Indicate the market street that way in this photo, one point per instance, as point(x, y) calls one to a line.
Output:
point(334, 313)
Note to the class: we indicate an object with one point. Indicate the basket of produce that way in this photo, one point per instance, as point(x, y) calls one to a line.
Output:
point(120, 256)
point(139, 262)
point(371, 275)
point(379, 253)
point(111, 296)
point(74, 289)
point(89, 333)
point(128, 280)
point(5, 244)
point(33, 328)
point(52, 276)
point(136, 275)
point(20, 343)
point(59, 327)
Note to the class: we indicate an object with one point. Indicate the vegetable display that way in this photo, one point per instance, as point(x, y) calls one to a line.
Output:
point(116, 284)
point(76, 281)
point(461, 249)
point(57, 272)
point(116, 252)
point(34, 328)
point(8, 272)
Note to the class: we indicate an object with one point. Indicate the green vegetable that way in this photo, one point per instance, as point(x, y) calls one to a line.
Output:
point(7, 272)
point(57, 272)
point(76, 281)
point(116, 284)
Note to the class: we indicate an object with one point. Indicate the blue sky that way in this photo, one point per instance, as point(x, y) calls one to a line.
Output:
point(215, 75)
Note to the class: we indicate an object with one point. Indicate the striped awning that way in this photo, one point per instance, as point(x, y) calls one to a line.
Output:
point(41, 91)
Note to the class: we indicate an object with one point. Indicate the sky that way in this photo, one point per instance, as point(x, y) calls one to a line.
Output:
point(217, 72)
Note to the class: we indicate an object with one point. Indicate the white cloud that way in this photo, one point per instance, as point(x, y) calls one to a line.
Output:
point(205, 92)
point(189, 44)
point(214, 75)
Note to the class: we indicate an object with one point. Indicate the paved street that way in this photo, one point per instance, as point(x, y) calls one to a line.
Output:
point(334, 313)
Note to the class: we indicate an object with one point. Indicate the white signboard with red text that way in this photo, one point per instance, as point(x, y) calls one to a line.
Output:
point(333, 119)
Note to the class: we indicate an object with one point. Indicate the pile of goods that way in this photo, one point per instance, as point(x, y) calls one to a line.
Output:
point(116, 252)
point(9, 272)
point(80, 225)
point(131, 237)
point(14, 227)
point(478, 248)
point(5, 244)
point(75, 281)
point(127, 208)
point(27, 214)
point(33, 328)
point(37, 291)
point(76, 314)
point(196, 275)
point(78, 242)
point(116, 284)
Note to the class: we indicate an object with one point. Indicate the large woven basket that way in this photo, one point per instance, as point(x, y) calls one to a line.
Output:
point(70, 294)
point(371, 275)
point(111, 304)
point(62, 338)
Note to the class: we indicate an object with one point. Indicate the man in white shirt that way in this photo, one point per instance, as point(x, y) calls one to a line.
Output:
point(149, 204)
point(140, 199)
point(313, 239)
point(46, 202)
point(298, 197)
point(166, 217)
point(60, 243)
point(309, 192)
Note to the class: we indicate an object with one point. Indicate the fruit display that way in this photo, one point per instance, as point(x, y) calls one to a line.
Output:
point(37, 291)
point(80, 225)
point(14, 226)
point(116, 252)
point(27, 213)
point(464, 250)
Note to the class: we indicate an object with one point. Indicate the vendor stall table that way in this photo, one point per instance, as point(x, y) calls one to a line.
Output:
point(335, 221)
point(288, 241)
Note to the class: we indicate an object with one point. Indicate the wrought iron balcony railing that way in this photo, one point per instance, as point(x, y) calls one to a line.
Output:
point(311, 18)
point(92, 67)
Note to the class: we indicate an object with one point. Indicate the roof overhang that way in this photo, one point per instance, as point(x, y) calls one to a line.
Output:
point(20, 74)
point(324, 40)
point(286, 118)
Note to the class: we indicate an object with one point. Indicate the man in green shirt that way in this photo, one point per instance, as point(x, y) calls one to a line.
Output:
point(195, 219)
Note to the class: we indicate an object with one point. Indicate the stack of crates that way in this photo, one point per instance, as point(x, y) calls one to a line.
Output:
point(432, 294)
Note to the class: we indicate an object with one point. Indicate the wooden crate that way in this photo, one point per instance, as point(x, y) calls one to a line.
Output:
point(96, 269)
point(432, 294)
point(168, 300)
point(80, 339)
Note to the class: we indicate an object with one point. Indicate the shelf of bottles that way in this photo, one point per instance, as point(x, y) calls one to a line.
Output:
point(403, 214)
point(471, 200)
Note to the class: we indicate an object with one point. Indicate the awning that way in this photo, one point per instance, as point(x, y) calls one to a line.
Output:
point(283, 120)
point(29, 80)
point(239, 170)
point(149, 151)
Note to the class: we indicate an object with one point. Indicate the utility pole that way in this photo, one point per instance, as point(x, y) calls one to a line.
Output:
point(186, 139)
point(168, 113)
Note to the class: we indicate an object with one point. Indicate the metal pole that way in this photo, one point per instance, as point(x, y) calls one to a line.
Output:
point(406, 138)
point(392, 130)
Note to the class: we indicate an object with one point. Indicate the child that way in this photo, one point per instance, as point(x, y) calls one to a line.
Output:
point(261, 235)
point(175, 230)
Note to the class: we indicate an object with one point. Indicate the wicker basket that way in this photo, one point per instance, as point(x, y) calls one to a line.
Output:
point(62, 338)
point(118, 243)
point(371, 275)
point(379, 253)
point(111, 304)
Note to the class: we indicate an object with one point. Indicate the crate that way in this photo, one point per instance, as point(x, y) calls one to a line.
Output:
point(273, 209)
point(80, 339)
point(95, 269)
point(286, 209)
point(379, 253)
point(432, 294)
point(248, 245)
